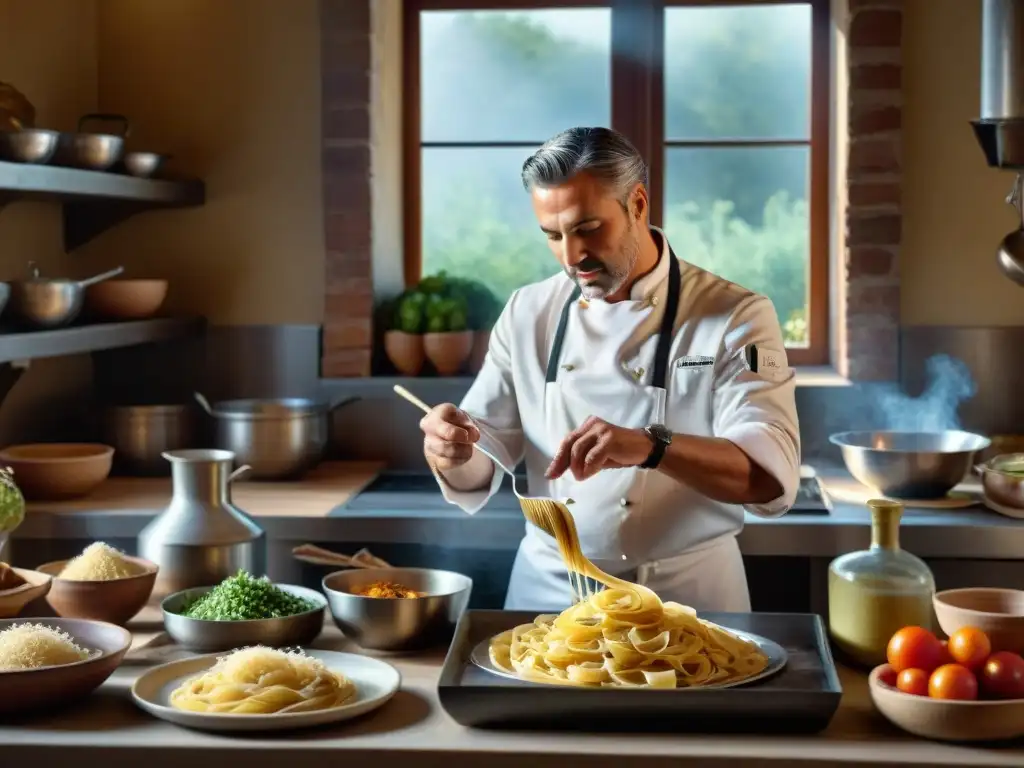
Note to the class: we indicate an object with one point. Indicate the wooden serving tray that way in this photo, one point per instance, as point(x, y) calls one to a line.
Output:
point(326, 487)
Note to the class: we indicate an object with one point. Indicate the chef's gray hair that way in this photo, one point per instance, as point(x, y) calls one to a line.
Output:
point(605, 154)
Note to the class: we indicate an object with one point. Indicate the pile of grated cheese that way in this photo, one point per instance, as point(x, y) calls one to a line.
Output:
point(99, 562)
point(30, 646)
point(249, 665)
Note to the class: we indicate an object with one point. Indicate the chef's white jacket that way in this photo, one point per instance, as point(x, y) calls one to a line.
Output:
point(633, 518)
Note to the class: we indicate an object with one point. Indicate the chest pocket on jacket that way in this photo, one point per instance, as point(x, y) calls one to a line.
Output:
point(688, 409)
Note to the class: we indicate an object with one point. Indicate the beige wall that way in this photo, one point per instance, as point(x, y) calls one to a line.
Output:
point(954, 210)
point(231, 88)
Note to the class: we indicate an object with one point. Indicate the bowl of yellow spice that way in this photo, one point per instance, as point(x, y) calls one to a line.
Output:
point(244, 610)
point(102, 583)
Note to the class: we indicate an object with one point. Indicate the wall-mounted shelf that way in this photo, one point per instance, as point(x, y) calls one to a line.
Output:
point(94, 201)
point(32, 345)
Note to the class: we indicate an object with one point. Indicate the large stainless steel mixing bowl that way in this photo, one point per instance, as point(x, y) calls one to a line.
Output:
point(910, 465)
point(399, 624)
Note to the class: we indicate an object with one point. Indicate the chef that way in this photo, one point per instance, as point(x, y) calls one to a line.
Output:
point(653, 393)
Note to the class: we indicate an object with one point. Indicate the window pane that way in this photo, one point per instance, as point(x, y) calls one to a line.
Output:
point(742, 213)
point(738, 72)
point(513, 76)
point(477, 219)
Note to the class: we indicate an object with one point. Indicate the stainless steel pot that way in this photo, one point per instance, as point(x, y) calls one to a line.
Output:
point(141, 434)
point(1002, 478)
point(93, 151)
point(44, 302)
point(910, 465)
point(279, 439)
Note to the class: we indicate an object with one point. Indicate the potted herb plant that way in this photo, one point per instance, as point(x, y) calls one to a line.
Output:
point(403, 342)
point(448, 339)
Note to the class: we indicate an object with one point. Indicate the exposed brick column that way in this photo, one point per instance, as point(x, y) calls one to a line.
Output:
point(345, 66)
point(873, 215)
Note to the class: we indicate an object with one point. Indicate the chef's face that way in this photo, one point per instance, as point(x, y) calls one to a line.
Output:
point(592, 232)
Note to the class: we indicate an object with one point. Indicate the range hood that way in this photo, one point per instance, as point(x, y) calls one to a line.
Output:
point(1000, 129)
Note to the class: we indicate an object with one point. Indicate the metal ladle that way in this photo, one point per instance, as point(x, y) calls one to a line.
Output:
point(1011, 250)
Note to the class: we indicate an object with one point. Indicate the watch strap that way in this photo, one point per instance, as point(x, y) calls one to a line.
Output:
point(658, 447)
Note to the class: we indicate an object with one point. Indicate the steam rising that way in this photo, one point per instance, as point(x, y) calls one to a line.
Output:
point(949, 384)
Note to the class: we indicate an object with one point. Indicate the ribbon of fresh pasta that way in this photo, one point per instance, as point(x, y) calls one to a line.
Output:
point(263, 681)
point(622, 635)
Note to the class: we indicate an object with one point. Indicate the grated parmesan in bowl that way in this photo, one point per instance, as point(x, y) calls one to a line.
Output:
point(100, 562)
point(33, 646)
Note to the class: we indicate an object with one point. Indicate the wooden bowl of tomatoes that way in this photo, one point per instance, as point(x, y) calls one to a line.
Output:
point(955, 690)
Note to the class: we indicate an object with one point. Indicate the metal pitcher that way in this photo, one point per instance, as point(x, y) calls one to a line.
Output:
point(201, 538)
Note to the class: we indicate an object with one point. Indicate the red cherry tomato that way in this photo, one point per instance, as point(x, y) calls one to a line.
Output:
point(953, 681)
point(969, 647)
point(914, 648)
point(1002, 677)
point(913, 681)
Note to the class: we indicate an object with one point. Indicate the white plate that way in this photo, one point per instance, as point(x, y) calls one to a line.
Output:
point(376, 682)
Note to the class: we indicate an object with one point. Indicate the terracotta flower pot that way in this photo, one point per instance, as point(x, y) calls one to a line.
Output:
point(405, 351)
point(448, 351)
point(481, 340)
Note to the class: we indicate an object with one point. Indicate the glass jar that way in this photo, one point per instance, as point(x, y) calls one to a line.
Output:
point(877, 591)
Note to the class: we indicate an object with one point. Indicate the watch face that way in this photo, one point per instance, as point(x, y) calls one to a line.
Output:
point(660, 433)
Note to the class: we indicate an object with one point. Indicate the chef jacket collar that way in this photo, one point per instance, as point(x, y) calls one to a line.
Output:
point(644, 288)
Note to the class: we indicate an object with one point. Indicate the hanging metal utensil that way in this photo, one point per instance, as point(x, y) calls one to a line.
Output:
point(1011, 250)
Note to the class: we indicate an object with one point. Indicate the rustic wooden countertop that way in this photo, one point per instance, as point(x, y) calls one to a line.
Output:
point(413, 730)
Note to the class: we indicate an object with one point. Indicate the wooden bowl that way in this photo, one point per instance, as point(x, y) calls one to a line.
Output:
point(57, 471)
point(125, 299)
point(997, 612)
point(942, 719)
point(115, 600)
point(52, 687)
point(37, 584)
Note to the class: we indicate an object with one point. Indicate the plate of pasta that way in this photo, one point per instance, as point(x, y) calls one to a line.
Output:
point(261, 689)
point(620, 635)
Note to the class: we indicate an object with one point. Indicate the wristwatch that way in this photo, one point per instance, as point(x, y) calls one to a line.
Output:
point(660, 435)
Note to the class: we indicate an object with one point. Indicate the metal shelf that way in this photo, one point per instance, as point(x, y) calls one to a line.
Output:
point(30, 345)
point(94, 201)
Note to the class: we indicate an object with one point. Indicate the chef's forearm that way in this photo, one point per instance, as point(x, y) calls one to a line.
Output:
point(474, 475)
point(718, 469)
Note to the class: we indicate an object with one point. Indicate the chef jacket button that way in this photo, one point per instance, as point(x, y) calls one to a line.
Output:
point(654, 301)
point(624, 503)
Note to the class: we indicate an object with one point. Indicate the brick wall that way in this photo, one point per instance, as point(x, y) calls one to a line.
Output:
point(348, 280)
point(871, 314)
point(870, 306)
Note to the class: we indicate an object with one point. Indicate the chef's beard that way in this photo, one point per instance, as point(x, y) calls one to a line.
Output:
point(615, 271)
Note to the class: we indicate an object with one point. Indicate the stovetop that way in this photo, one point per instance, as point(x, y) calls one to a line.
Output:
point(392, 490)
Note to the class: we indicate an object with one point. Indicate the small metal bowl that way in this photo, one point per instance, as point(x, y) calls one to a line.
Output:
point(143, 164)
point(400, 624)
point(1002, 478)
point(30, 145)
point(208, 636)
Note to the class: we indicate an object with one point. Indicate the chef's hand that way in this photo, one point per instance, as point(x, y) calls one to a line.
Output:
point(597, 445)
point(448, 437)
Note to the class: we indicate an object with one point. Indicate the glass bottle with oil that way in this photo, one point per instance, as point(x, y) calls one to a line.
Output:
point(877, 591)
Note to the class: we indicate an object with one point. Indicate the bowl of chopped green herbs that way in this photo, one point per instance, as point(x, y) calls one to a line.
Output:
point(244, 610)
